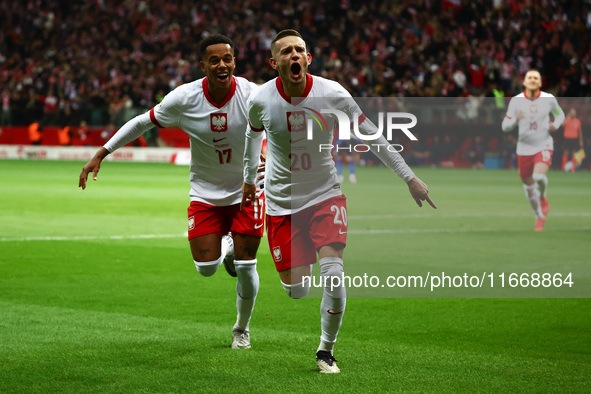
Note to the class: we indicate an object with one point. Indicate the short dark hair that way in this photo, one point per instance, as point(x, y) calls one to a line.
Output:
point(212, 40)
point(285, 33)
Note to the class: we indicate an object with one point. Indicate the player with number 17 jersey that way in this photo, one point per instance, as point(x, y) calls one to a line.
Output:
point(216, 132)
point(212, 112)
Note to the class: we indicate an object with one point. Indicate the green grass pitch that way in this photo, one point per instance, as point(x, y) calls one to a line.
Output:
point(98, 292)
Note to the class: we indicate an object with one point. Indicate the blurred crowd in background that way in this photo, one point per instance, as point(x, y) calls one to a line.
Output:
point(104, 61)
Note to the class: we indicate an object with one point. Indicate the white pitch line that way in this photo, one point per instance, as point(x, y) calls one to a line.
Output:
point(93, 237)
point(353, 232)
point(465, 215)
point(461, 230)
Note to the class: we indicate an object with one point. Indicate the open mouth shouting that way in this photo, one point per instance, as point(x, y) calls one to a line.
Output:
point(223, 77)
point(296, 70)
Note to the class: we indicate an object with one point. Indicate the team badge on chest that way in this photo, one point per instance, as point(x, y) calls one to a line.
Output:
point(218, 122)
point(296, 121)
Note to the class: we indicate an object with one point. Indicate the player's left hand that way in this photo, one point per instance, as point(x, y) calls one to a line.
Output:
point(552, 128)
point(420, 192)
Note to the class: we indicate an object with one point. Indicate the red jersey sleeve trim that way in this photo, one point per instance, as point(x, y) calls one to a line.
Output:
point(254, 128)
point(154, 120)
point(226, 99)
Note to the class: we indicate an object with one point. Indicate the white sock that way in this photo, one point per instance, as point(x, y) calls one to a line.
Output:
point(208, 268)
point(533, 196)
point(334, 300)
point(225, 246)
point(297, 290)
point(247, 288)
point(542, 181)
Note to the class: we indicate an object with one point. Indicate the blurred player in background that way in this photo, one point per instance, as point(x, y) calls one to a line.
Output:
point(345, 154)
point(212, 111)
point(307, 211)
point(530, 111)
point(573, 139)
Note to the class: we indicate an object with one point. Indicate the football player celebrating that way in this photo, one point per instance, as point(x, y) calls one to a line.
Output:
point(212, 112)
point(530, 111)
point(306, 210)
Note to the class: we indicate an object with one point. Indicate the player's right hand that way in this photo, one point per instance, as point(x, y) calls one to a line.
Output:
point(248, 194)
point(93, 165)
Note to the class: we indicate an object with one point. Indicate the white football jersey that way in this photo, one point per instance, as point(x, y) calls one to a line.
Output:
point(298, 174)
point(216, 133)
point(534, 132)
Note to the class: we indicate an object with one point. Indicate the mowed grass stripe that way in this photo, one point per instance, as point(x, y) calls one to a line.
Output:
point(128, 310)
point(115, 351)
point(360, 232)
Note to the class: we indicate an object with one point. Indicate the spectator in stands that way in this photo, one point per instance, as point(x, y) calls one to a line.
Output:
point(51, 111)
point(507, 149)
point(441, 150)
point(5, 118)
point(418, 153)
point(413, 48)
point(83, 134)
point(476, 151)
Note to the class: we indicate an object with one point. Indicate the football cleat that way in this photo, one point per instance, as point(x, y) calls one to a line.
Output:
point(545, 205)
point(352, 178)
point(229, 258)
point(540, 224)
point(341, 179)
point(240, 339)
point(326, 362)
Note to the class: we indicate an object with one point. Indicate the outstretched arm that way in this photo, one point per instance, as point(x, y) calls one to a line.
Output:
point(127, 133)
point(417, 188)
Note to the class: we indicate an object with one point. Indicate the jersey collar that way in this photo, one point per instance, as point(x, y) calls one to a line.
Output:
point(532, 98)
point(309, 81)
point(226, 99)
